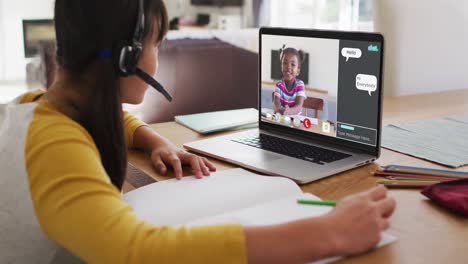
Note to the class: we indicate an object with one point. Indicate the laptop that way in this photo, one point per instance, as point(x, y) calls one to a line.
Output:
point(320, 102)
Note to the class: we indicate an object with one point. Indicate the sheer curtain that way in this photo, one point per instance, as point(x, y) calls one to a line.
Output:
point(325, 14)
point(261, 12)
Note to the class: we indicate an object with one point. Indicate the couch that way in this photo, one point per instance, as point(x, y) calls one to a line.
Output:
point(202, 75)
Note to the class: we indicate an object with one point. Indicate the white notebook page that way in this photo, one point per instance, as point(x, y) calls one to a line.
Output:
point(175, 202)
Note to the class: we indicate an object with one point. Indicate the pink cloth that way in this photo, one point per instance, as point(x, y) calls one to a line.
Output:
point(452, 195)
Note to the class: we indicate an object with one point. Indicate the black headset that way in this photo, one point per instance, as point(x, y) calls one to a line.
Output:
point(130, 54)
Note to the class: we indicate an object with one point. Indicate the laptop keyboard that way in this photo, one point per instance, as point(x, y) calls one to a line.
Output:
point(292, 148)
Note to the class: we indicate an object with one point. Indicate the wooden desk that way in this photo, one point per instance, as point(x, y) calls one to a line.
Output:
point(426, 233)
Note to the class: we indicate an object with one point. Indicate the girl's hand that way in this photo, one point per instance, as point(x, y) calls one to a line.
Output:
point(167, 154)
point(286, 110)
point(358, 221)
point(353, 227)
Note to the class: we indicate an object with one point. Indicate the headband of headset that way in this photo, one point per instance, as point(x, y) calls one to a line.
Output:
point(130, 54)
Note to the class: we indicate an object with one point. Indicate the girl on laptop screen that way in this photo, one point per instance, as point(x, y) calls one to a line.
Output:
point(290, 93)
point(64, 154)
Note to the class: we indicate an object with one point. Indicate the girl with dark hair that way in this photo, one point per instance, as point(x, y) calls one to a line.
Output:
point(290, 94)
point(63, 160)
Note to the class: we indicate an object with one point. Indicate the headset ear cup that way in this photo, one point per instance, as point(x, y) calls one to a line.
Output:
point(135, 57)
point(122, 62)
point(121, 59)
point(128, 60)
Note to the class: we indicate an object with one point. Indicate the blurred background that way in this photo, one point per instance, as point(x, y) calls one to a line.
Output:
point(25, 24)
point(422, 37)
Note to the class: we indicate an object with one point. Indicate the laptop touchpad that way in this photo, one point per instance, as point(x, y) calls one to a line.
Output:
point(260, 156)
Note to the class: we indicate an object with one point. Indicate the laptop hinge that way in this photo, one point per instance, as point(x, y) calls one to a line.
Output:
point(282, 134)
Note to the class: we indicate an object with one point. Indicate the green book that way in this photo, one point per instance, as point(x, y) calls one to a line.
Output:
point(205, 123)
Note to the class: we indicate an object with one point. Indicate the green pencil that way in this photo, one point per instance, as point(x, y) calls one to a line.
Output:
point(317, 202)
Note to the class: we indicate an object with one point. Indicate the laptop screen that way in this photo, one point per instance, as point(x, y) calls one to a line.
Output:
point(326, 86)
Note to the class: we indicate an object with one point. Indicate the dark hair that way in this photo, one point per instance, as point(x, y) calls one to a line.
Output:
point(84, 28)
point(299, 54)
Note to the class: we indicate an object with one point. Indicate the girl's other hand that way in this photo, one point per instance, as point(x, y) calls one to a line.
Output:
point(167, 154)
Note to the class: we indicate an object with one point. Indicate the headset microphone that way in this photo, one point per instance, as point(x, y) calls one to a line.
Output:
point(151, 81)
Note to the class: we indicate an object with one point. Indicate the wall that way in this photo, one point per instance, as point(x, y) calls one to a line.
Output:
point(12, 14)
point(426, 45)
point(323, 60)
point(178, 8)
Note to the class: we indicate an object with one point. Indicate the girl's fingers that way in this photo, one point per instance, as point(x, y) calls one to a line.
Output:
point(209, 164)
point(194, 162)
point(203, 167)
point(159, 164)
point(377, 193)
point(200, 166)
point(384, 224)
point(386, 207)
point(176, 165)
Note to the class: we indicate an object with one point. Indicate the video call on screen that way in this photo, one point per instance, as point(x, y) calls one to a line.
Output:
point(324, 86)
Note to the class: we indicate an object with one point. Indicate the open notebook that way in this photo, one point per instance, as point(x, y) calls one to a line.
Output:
point(228, 196)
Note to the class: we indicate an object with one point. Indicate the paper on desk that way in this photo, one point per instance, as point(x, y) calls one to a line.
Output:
point(459, 118)
point(227, 196)
point(267, 214)
point(443, 140)
point(386, 239)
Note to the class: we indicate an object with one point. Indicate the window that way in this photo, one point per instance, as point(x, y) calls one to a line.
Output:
point(324, 14)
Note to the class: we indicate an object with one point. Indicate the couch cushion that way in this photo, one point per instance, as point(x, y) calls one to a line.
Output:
point(203, 75)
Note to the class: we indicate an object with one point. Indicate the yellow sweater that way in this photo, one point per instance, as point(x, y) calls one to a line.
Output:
point(77, 206)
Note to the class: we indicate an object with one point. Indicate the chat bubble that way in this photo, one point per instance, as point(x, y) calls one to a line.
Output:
point(351, 53)
point(366, 82)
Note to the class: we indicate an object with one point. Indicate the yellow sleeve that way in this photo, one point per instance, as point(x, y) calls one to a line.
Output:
point(78, 207)
point(131, 124)
point(31, 96)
